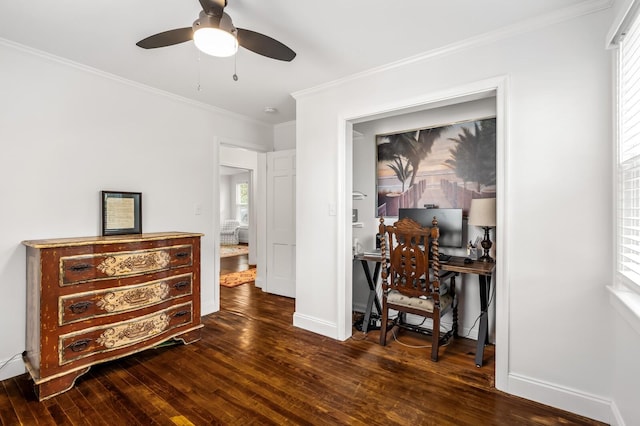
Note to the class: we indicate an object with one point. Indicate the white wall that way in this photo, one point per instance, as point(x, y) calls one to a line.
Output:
point(225, 206)
point(556, 344)
point(66, 133)
point(284, 136)
point(364, 179)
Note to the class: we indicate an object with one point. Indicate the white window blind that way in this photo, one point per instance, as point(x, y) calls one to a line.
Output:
point(628, 220)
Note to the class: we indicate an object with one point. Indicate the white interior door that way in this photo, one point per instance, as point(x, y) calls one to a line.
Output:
point(281, 223)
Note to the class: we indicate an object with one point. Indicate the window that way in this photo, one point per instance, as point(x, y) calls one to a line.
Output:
point(626, 291)
point(242, 203)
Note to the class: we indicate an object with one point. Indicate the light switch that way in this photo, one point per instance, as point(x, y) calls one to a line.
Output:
point(197, 209)
point(332, 209)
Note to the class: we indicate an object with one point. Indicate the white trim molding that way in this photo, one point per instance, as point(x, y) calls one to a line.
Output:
point(627, 304)
point(131, 83)
point(620, 24)
point(565, 14)
point(550, 394)
point(315, 325)
point(496, 86)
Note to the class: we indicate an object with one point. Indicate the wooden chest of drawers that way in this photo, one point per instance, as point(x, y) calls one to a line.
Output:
point(95, 299)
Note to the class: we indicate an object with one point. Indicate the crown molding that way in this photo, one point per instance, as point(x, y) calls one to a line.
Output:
point(285, 124)
point(113, 77)
point(528, 25)
point(621, 24)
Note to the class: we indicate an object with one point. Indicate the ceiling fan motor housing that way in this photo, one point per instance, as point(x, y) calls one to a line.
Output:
point(209, 21)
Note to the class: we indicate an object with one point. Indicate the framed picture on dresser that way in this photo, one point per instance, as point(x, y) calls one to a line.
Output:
point(121, 212)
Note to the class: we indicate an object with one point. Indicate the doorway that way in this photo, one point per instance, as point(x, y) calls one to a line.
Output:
point(493, 88)
point(235, 226)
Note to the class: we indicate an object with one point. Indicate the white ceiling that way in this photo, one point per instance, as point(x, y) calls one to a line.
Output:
point(332, 38)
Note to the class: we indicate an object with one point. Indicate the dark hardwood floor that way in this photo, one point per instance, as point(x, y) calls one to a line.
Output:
point(252, 367)
point(234, 264)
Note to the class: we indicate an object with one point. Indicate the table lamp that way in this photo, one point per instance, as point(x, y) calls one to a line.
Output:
point(483, 213)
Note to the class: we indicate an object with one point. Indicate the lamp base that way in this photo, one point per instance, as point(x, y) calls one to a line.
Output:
point(486, 246)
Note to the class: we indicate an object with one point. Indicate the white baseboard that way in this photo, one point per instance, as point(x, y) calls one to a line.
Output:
point(14, 367)
point(259, 281)
point(616, 415)
point(315, 325)
point(584, 404)
point(208, 308)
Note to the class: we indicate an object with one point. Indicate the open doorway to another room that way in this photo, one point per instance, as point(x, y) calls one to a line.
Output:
point(235, 225)
point(381, 187)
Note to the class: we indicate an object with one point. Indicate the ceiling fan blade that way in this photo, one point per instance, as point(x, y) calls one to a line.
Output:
point(167, 38)
point(264, 45)
point(213, 7)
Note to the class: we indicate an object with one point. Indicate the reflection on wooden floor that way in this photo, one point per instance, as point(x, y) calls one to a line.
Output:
point(234, 264)
point(253, 366)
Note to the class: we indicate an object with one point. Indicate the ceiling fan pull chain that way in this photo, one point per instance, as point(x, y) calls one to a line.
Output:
point(198, 71)
point(235, 67)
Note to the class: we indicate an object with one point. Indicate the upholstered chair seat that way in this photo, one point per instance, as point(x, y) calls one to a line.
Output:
point(229, 231)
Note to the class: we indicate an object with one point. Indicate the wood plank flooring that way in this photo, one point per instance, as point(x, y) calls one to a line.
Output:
point(234, 264)
point(252, 367)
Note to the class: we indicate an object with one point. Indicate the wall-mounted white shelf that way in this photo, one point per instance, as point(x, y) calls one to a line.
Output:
point(357, 195)
point(357, 224)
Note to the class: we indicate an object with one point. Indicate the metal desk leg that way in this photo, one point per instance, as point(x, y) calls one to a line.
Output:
point(483, 333)
point(373, 295)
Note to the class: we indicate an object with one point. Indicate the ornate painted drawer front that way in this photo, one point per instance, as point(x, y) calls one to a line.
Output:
point(79, 269)
point(80, 306)
point(98, 340)
point(95, 299)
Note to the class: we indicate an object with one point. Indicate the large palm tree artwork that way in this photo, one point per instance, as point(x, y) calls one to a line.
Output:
point(444, 166)
point(403, 153)
point(474, 155)
point(411, 147)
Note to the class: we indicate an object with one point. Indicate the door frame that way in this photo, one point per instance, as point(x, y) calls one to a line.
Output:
point(497, 87)
point(257, 204)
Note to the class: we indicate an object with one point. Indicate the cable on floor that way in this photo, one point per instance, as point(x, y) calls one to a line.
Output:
point(4, 364)
point(493, 293)
point(393, 332)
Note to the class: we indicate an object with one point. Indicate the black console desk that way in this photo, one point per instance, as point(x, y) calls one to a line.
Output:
point(372, 280)
point(456, 264)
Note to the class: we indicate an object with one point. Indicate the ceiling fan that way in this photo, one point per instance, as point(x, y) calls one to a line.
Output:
point(214, 34)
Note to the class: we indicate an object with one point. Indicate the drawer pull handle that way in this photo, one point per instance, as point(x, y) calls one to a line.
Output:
point(80, 267)
point(80, 307)
point(181, 285)
point(181, 313)
point(182, 254)
point(79, 345)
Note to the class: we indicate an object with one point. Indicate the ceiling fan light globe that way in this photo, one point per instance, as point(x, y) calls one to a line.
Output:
point(215, 42)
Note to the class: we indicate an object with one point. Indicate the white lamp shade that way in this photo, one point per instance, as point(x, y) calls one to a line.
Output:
point(483, 212)
point(215, 42)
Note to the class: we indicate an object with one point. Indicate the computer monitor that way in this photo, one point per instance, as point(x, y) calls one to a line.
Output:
point(449, 223)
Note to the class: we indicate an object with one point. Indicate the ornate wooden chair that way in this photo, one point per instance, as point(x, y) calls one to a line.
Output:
point(409, 285)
